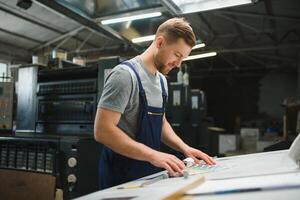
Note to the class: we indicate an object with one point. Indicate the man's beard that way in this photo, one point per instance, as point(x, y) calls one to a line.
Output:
point(160, 66)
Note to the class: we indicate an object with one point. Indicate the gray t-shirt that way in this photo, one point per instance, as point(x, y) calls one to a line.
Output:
point(121, 93)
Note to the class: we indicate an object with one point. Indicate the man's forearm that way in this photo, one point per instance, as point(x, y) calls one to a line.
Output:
point(170, 138)
point(118, 141)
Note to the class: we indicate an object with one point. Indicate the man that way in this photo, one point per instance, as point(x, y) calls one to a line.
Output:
point(130, 118)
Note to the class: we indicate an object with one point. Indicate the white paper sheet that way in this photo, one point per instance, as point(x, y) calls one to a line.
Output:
point(262, 182)
point(255, 164)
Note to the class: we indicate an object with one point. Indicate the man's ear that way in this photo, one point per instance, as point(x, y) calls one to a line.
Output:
point(159, 41)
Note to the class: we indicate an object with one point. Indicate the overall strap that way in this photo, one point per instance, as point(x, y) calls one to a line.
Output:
point(164, 93)
point(141, 89)
point(127, 63)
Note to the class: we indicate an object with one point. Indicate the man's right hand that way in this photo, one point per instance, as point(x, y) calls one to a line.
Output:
point(167, 161)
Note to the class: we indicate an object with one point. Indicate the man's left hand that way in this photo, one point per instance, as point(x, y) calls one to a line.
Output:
point(198, 155)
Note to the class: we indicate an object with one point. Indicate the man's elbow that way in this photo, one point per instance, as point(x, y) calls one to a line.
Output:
point(97, 136)
point(98, 132)
point(101, 133)
point(98, 127)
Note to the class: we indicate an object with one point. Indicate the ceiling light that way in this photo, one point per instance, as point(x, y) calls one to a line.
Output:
point(151, 37)
point(203, 55)
point(130, 18)
point(143, 39)
point(190, 6)
point(197, 46)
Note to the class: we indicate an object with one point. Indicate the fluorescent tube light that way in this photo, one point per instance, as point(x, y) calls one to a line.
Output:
point(197, 46)
point(203, 55)
point(151, 37)
point(189, 6)
point(143, 39)
point(130, 18)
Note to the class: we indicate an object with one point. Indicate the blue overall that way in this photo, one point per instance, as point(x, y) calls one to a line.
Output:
point(116, 169)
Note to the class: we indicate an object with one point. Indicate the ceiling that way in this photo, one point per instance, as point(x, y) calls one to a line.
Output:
point(265, 33)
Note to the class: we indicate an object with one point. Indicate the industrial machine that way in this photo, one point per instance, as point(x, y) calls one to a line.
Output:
point(197, 124)
point(6, 107)
point(177, 106)
point(186, 112)
point(54, 124)
point(60, 101)
point(66, 105)
point(63, 157)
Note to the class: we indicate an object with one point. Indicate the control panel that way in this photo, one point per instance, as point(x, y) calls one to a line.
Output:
point(6, 105)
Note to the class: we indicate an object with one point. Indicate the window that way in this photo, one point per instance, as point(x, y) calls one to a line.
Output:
point(3, 69)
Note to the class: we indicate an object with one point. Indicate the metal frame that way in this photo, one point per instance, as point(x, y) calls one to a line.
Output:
point(71, 33)
point(90, 24)
point(20, 14)
point(257, 61)
point(95, 27)
point(172, 8)
point(259, 48)
point(208, 25)
point(65, 12)
point(21, 36)
point(271, 57)
point(255, 15)
point(237, 22)
point(24, 16)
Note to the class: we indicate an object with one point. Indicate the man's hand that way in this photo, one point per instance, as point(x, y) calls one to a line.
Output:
point(167, 161)
point(197, 154)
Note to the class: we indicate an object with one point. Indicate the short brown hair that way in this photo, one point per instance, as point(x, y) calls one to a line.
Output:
point(177, 28)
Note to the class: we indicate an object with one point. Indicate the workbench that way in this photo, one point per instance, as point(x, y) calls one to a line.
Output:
point(250, 165)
